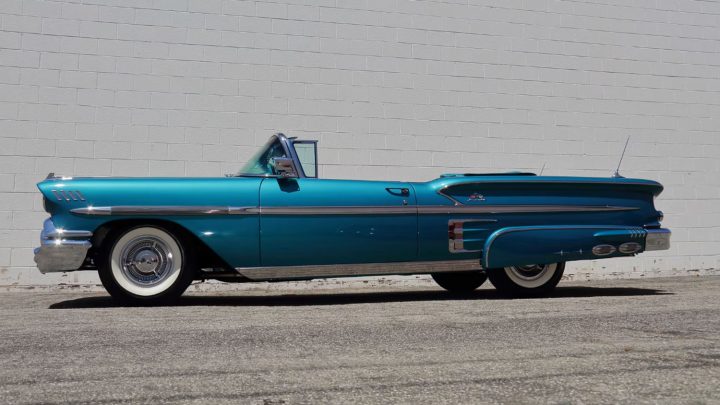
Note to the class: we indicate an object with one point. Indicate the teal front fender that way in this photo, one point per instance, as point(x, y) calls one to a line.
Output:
point(209, 208)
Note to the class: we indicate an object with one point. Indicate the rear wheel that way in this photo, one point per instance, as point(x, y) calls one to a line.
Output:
point(146, 265)
point(461, 282)
point(530, 280)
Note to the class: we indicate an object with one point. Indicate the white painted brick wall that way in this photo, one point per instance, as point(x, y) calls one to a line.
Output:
point(393, 89)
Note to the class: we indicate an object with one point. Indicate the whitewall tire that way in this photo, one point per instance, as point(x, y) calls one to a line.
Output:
point(530, 280)
point(146, 264)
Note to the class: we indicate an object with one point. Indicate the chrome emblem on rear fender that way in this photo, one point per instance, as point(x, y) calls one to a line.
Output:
point(476, 197)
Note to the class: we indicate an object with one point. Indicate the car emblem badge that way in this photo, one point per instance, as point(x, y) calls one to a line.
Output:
point(476, 197)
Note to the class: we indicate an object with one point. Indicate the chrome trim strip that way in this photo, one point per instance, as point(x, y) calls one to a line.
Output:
point(63, 234)
point(342, 210)
point(503, 231)
point(517, 209)
point(165, 210)
point(362, 269)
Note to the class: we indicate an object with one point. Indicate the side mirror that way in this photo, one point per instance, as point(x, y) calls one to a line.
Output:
point(284, 167)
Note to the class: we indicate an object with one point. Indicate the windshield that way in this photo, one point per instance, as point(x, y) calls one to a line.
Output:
point(259, 163)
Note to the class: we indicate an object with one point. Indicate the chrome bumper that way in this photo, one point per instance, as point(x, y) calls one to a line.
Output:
point(60, 249)
point(657, 239)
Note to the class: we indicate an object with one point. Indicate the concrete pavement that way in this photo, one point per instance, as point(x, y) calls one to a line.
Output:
point(620, 341)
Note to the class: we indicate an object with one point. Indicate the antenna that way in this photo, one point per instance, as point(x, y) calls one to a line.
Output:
point(617, 171)
point(543, 169)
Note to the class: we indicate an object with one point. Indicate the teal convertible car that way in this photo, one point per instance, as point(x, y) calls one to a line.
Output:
point(149, 238)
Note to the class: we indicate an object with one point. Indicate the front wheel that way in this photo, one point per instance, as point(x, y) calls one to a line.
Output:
point(145, 265)
point(530, 280)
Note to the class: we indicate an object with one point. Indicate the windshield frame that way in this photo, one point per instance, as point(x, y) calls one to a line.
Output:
point(288, 148)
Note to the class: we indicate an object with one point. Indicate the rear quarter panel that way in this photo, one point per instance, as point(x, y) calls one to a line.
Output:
point(508, 191)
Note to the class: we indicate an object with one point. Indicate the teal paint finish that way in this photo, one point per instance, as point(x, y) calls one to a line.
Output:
point(529, 190)
point(516, 246)
point(336, 239)
point(267, 239)
point(233, 237)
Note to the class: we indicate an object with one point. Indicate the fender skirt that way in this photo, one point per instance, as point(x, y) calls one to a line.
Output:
point(516, 246)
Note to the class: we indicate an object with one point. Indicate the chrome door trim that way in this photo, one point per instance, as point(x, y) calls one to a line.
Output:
point(270, 273)
point(342, 210)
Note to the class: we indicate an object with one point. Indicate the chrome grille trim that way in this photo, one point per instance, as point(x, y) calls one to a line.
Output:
point(363, 269)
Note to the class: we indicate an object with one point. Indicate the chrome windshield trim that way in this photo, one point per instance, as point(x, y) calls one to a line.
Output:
point(343, 210)
point(288, 148)
point(362, 269)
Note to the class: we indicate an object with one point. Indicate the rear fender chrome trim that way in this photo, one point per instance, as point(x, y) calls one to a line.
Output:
point(517, 209)
point(363, 269)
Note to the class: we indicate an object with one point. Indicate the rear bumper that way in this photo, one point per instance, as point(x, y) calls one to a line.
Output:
point(657, 239)
point(61, 249)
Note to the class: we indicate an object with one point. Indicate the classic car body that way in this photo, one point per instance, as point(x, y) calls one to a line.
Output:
point(277, 221)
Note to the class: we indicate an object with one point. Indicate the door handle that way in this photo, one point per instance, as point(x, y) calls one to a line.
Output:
point(401, 191)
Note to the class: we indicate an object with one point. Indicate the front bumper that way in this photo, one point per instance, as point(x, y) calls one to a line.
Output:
point(61, 249)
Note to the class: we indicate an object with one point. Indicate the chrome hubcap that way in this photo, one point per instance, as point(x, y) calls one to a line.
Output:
point(146, 261)
point(530, 272)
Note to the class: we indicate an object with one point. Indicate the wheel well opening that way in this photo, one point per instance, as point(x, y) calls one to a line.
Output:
point(206, 257)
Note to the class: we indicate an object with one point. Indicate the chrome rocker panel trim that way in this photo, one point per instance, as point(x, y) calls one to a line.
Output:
point(363, 269)
point(61, 250)
point(343, 210)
